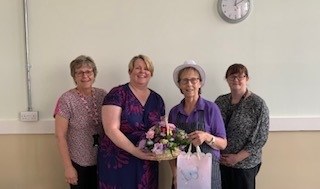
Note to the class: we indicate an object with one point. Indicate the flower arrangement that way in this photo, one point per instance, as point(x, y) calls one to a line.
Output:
point(165, 140)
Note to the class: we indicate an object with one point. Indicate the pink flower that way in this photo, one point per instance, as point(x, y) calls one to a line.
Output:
point(171, 126)
point(142, 144)
point(150, 134)
point(157, 148)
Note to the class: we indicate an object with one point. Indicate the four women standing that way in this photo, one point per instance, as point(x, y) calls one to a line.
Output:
point(130, 110)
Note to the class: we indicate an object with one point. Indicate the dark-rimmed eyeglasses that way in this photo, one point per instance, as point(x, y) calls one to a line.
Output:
point(238, 77)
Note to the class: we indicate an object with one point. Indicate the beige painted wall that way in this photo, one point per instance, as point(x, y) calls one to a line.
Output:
point(290, 161)
point(30, 162)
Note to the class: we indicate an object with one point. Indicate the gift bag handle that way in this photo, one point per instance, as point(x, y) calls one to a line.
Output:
point(198, 149)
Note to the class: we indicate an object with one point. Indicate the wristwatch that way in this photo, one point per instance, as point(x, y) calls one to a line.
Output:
point(211, 142)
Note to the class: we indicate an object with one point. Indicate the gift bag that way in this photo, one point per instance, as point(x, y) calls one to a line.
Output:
point(194, 169)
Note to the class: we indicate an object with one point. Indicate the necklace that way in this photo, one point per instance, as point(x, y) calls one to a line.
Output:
point(92, 112)
point(242, 98)
point(234, 107)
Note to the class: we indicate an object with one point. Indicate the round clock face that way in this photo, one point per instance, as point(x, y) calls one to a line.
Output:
point(234, 11)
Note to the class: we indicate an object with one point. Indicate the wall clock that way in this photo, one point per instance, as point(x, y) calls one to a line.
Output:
point(234, 11)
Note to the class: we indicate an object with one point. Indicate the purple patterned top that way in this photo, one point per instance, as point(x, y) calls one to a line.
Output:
point(116, 167)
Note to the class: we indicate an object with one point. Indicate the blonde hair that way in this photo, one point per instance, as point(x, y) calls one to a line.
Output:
point(145, 58)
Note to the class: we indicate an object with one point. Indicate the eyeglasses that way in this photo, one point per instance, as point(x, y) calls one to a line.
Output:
point(87, 73)
point(185, 81)
point(234, 77)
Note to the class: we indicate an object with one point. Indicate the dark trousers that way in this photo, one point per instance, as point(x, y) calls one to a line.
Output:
point(87, 177)
point(233, 178)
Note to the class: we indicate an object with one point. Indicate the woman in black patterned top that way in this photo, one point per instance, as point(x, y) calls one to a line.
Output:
point(246, 118)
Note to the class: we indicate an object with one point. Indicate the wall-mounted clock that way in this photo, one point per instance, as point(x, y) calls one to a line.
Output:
point(234, 11)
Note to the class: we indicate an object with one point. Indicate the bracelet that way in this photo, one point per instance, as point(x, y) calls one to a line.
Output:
point(211, 142)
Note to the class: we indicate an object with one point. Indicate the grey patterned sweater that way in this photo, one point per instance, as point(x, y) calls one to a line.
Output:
point(247, 127)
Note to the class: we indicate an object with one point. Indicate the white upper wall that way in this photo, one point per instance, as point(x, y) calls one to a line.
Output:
point(278, 42)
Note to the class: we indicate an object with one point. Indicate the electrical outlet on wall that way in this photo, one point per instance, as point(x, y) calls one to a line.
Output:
point(29, 116)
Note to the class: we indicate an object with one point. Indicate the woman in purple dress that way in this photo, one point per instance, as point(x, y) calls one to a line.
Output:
point(128, 112)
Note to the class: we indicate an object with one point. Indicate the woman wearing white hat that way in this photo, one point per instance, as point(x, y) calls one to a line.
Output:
point(200, 118)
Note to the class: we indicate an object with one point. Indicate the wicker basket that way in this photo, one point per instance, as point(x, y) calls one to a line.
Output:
point(168, 155)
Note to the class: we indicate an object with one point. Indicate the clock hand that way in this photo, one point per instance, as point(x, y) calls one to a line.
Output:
point(235, 3)
point(238, 2)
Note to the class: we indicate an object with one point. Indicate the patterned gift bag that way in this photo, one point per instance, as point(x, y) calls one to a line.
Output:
point(194, 169)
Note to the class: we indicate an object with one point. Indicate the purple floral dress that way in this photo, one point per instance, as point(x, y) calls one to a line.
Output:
point(117, 169)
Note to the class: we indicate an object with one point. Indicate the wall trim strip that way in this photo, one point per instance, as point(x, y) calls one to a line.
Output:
point(277, 123)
